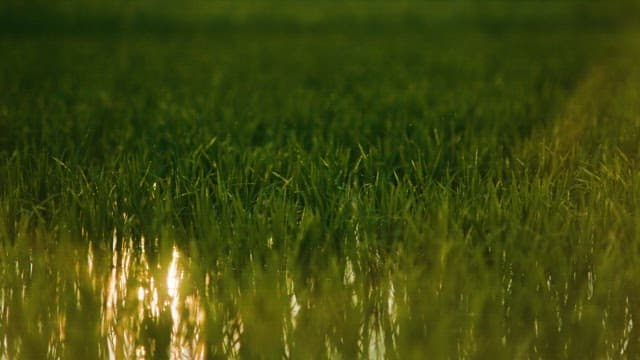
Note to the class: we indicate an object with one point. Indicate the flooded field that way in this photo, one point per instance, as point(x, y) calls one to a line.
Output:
point(140, 299)
point(129, 304)
point(341, 181)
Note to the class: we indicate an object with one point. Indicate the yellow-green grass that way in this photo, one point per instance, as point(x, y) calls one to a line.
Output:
point(328, 181)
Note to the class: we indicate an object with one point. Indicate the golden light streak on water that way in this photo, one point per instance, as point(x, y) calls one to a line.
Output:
point(134, 306)
point(392, 312)
point(90, 258)
point(628, 327)
point(349, 278)
point(173, 276)
point(294, 307)
point(114, 295)
point(187, 315)
point(377, 349)
point(4, 315)
point(231, 342)
point(5, 346)
point(154, 303)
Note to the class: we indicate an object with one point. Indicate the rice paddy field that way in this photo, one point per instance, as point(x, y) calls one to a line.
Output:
point(339, 180)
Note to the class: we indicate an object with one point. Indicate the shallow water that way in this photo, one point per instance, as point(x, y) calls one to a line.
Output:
point(135, 300)
point(140, 299)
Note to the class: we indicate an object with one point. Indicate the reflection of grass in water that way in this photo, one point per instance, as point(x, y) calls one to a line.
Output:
point(329, 191)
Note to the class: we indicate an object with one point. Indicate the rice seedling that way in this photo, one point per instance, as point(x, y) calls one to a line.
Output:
point(351, 180)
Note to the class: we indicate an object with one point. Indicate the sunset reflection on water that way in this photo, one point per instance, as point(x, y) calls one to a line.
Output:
point(140, 299)
point(137, 310)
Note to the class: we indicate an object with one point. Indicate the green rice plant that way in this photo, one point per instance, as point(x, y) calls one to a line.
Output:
point(266, 180)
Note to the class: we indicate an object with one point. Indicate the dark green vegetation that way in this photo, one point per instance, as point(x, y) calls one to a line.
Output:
point(265, 180)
